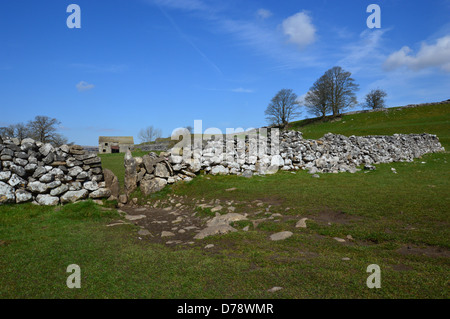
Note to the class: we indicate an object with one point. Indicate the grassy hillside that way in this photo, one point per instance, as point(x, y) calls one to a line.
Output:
point(433, 119)
point(397, 221)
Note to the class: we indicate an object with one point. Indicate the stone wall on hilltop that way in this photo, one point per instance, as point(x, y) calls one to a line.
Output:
point(32, 171)
point(257, 154)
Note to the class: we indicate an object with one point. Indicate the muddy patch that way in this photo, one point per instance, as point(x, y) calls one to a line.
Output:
point(429, 251)
point(165, 225)
point(402, 267)
point(329, 216)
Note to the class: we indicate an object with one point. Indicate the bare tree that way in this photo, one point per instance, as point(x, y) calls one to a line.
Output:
point(7, 131)
point(317, 98)
point(43, 128)
point(283, 108)
point(58, 140)
point(19, 131)
point(341, 89)
point(149, 134)
point(375, 99)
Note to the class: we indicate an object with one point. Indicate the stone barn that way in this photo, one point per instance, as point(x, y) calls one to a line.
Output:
point(115, 144)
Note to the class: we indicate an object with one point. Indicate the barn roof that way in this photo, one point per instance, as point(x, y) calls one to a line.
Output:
point(116, 139)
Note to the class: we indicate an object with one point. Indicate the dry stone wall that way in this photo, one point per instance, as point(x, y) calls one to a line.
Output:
point(258, 154)
point(32, 171)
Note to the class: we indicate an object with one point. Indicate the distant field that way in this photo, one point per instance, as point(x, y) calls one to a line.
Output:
point(114, 162)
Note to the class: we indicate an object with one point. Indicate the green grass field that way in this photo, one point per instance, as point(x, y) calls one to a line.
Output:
point(432, 119)
point(398, 221)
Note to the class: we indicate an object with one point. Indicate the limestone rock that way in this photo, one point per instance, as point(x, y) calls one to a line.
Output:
point(161, 170)
point(301, 223)
point(281, 235)
point(7, 194)
point(91, 186)
point(23, 196)
point(112, 182)
point(16, 181)
point(100, 193)
point(247, 174)
point(152, 185)
point(130, 173)
point(47, 200)
point(73, 196)
point(5, 176)
point(123, 198)
point(215, 230)
point(37, 187)
point(167, 234)
point(219, 170)
point(226, 219)
point(59, 190)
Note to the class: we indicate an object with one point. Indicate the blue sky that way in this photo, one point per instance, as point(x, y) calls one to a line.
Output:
point(167, 63)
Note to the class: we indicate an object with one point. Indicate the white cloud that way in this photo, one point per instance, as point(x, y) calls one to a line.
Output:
point(299, 29)
point(264, 13)
point(434, 55)
point(84, 86)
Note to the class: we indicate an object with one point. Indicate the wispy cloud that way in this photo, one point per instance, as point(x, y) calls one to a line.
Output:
point(264, 39)
point(264, 13)
point(429, 55)
point(189, 41)
point(190, 5)
point(235, 90)
point(242, 90)
point(84, 86)
point(365, 54)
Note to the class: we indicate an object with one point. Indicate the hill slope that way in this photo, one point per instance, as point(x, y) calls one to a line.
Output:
point(433, 119)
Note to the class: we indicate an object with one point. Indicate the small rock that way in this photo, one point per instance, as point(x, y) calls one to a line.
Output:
point(134, 217)
point(301, 223)
point(167, 234)
point(339, 239)
point(281, 235)
point(209, 246)
point(144, 232)
point(216, 209)
point(231, 189)
point(275, 289)
point(345, 259)
point(123, 199)
point(215, 230)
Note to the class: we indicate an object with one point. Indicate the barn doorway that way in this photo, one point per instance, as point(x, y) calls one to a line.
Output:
point(114, 149)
